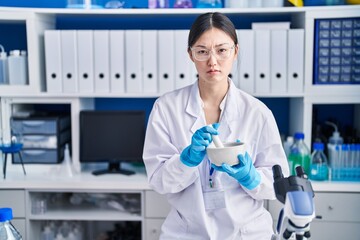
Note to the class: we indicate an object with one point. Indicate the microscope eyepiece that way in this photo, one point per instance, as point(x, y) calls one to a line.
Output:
point(277, 172)
point(300, 172)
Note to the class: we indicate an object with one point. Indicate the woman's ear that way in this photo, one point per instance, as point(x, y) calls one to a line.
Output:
point(190, 55)
point(236, 51)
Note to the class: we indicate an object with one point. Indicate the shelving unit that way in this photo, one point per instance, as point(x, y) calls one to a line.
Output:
point(36, 21)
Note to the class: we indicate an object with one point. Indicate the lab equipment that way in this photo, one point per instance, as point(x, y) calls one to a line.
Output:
point(287, 145)
point(7, 230)
point(244, 172)
point(11, 145)
point(346, 163)
point(299, 154)
point(3, 66)
point(47, 234)
point(228, 153)
point(193, 154)
point(17, 66)
point(319, 169)
point(296, 193)
point(67, 166)
point(334, 140)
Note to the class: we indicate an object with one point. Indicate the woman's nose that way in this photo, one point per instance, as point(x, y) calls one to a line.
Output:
point(212, 60)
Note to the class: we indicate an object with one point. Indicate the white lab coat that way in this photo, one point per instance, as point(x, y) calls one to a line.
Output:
point(174, 119)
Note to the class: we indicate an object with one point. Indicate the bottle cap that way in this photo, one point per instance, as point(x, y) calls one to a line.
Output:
point(318, 146)
point(15, 53)
point(299, 135)
point(5, 214)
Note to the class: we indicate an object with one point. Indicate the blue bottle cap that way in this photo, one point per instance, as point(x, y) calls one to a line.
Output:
point(345, 147)
point(5, 214)
point(299, 135)
point(318, 146)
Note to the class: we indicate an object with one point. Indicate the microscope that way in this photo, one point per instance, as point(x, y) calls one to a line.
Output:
point(296, 193)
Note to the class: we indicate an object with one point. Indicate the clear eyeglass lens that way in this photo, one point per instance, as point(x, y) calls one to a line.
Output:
point(221, 53)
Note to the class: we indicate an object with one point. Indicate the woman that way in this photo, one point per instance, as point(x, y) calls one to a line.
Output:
point(225, 203)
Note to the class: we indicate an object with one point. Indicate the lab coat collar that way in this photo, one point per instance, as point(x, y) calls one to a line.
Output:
point(194, 107)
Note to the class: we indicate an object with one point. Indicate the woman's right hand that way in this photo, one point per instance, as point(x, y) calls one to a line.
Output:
point(193, 154)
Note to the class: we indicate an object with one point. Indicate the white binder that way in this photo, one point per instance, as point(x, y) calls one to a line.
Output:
point(295, 65)
point(85, 46)
point(166, 46)
point(117, 61)
point(182, 59)
point(247, 60)
point(278, 61)
point(150, 61)
point(133, 63)
point(69, 61)
point(101, 61)
point(262, 61)
point(53, 61)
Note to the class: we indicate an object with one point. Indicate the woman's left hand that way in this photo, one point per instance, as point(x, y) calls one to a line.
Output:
point(244, 172)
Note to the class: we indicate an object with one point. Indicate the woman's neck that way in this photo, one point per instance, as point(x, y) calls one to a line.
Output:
point(212, 96)
point(214, 93)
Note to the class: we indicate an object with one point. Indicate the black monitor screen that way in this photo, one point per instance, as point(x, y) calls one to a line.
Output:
point(111, 136)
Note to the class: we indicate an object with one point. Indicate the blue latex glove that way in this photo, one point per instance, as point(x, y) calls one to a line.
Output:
point(193, 154)
point(244, 172)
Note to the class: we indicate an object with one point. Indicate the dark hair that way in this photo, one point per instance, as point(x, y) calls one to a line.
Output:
point(210, 20)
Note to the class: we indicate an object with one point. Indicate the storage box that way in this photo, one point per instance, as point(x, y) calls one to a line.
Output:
point(44, 138)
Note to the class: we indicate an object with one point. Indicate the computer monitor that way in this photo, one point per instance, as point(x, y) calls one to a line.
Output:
point(112, 137)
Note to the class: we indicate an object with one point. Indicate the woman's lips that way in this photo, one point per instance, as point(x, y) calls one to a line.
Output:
point(213, 71)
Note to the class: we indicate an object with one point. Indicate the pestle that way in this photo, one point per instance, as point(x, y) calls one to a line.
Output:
point(217, 141)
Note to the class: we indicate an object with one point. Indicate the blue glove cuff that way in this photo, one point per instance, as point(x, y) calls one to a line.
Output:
point(251, 180)
point(185, 158)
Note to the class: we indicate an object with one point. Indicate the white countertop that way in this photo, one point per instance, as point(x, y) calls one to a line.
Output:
point(56, 180)
point(52, 180)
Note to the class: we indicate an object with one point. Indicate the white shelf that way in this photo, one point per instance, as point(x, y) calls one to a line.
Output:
point(86, 214)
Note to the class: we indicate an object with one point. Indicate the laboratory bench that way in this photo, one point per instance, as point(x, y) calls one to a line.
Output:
point(336, 203)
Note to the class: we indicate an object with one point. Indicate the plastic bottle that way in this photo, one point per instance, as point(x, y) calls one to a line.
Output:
point(319, 169)
point(4, 78)
point(7, 230)
point(47, 234)
point(17, 65)
point(67, 167)
point(334, 140)
point(287, 145)
point(299, 154)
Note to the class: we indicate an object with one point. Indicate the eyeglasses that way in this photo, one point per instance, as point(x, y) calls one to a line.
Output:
point(221, 52)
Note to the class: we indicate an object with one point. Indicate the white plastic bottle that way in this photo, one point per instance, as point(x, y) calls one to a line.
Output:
point(17, 66)
point(4, 78)
point(334, 140)
point(67, 166)
point(47, 234)
point(287, 144)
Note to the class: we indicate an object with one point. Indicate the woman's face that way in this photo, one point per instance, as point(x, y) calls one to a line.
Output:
point(222, 54)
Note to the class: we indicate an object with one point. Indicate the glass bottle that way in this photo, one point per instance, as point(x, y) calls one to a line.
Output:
point(7, 230)
point(319, 169)
point(299, 154)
